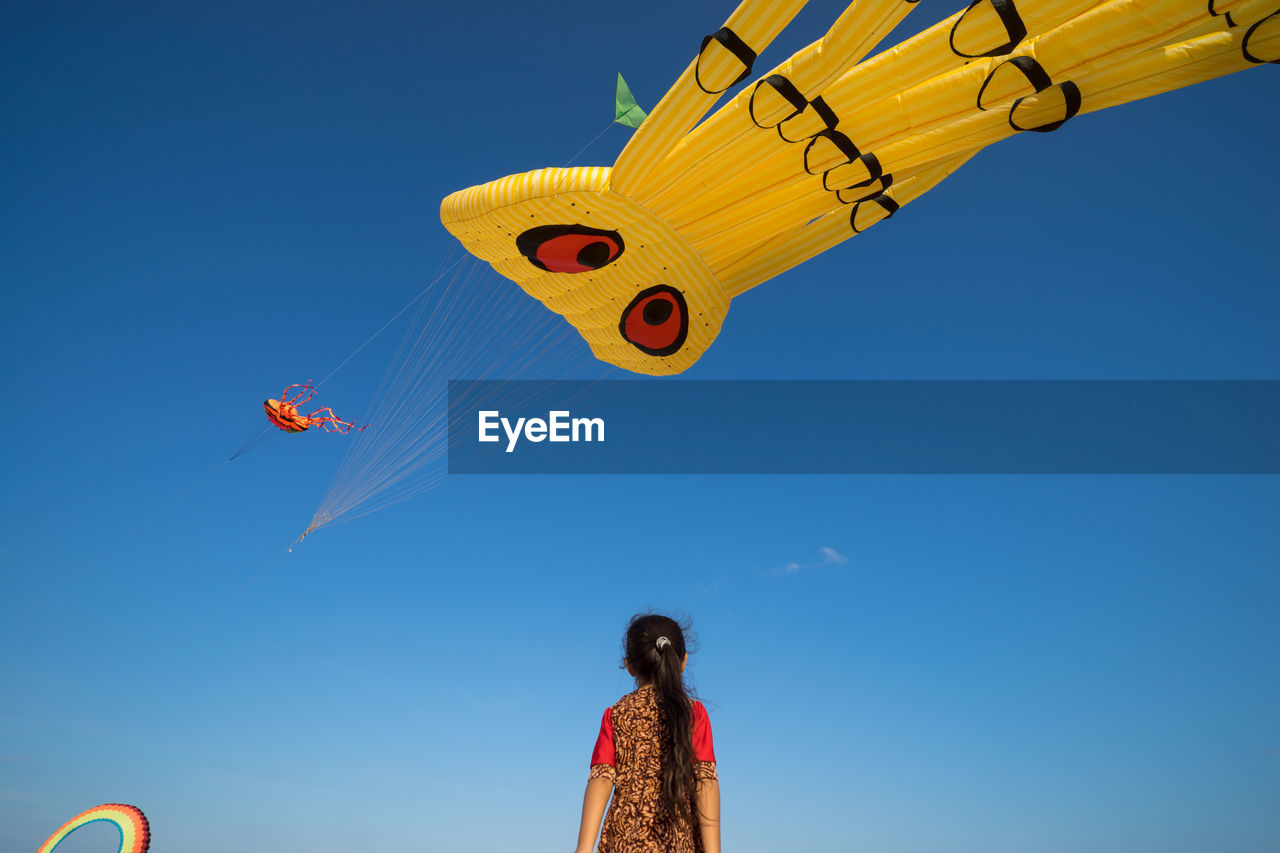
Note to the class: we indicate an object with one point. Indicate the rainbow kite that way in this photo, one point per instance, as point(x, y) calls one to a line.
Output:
point(135, 833)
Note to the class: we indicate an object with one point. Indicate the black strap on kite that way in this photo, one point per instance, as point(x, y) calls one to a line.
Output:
point(828, 115)
point(875, 172)
point(890, 206)
point(1070, 93)
point(864, 191)
point(839, 140)
point(1013, 25)
point(1213, 13)
point(1032, 70)
point(730, 41)
point(824, 111)
point(1244, 43)
point(787, 90)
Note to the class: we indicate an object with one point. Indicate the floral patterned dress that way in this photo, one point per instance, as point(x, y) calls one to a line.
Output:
point(628, 753)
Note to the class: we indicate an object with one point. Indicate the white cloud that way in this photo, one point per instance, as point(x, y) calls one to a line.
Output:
point(826, 557)
point(831, 555)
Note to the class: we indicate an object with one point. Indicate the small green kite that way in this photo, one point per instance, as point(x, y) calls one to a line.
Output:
point(626, 111)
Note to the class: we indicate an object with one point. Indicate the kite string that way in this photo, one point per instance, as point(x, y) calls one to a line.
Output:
point(394, 317)
point(476, 325)
point(207, 619)
point(589, 144)
point(103, 553)
point(248, 445)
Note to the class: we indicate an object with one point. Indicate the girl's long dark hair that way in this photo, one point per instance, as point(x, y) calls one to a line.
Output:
point(660, 664)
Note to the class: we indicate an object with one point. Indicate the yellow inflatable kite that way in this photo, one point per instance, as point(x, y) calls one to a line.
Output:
point(644, 258)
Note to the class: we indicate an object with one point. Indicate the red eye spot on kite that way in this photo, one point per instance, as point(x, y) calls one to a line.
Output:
point(569, 248)
point(656, 321)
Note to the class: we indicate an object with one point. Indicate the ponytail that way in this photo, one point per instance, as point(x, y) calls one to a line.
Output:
point(655, 649)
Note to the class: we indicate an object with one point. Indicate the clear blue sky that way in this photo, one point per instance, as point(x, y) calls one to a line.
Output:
point(202, 203)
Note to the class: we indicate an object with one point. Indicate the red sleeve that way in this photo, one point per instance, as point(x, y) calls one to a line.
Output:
point(702, 747)
point(603, 753)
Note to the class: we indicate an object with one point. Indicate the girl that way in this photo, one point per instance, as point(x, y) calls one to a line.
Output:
point(654, 753)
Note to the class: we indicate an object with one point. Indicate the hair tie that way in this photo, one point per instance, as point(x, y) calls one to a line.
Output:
point(662, 643)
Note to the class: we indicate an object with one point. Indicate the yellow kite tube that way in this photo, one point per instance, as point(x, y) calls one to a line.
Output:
point(644, 258)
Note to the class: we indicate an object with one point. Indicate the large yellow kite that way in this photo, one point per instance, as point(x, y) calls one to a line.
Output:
point(644, 258)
